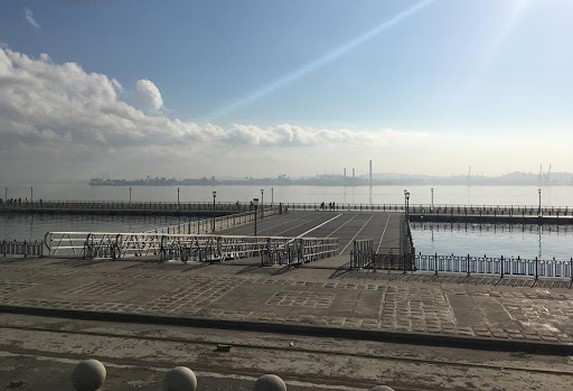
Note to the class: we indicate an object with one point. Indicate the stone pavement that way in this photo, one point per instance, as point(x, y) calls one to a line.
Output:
point(477, 307)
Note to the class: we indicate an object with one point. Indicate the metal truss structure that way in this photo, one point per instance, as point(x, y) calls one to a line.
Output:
point(185, 247)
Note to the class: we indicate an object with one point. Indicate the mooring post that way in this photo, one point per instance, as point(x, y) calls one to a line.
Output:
point(436, 264)
point(501, 265)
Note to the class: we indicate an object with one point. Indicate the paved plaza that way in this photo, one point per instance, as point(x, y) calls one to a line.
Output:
point(474, 308)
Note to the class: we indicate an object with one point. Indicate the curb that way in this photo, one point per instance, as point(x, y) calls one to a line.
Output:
point(455, 341)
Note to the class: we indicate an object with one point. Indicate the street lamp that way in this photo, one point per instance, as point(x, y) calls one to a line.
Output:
point(262, 204)
point(539, 209)
point(272, 196)
point(214, 196)
point(177, 198)
point(432, 208)
point(31, 194)
point(255, 204)
point(406, 203)
point(130, 194)
point(5, 193)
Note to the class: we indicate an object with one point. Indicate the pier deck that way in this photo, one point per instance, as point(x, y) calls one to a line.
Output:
point(382, 227)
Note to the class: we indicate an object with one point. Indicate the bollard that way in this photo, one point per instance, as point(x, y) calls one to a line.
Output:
point(180, 379)
point(269, 383)
point(88, 375)
point(382, 388)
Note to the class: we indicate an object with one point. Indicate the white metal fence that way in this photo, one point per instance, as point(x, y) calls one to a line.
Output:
point(495, 265)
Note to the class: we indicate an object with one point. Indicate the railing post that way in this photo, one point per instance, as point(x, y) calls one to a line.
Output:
point(536, 274)
point(468, 265)
point(501, 265)
point(436, 264)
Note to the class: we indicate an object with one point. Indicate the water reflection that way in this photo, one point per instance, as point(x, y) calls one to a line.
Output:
point(370, 195)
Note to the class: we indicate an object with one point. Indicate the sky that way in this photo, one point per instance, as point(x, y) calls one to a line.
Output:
point(191, 88)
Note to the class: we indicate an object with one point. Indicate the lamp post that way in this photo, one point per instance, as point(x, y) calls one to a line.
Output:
point(130, 194)
point(262, 204)
point(432, 208)
point(31, 194)
point(5, 193)
point(255, 204)
point(539, 209)
point(407, 203)
point(177, 198)
point(214, 197)
point(272, 196)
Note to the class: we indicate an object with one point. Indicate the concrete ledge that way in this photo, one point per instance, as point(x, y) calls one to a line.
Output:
point(455, 341)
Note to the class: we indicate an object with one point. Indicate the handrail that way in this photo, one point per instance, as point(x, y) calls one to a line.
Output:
point(25, 248)
point(528, 210)
point(271, 249)
point(502, 266)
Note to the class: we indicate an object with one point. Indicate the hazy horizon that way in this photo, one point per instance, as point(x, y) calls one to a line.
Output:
point(233, 89)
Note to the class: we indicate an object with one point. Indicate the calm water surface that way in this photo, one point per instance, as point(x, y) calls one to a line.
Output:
point(34, 227)
point(526, 241)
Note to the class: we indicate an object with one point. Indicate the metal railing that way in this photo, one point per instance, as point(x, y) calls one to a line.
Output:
point(204, 226)
point(184, 247)
point(24, 248)
point(501, 266)
point(271, 249)
point(133, 206)
point(363, 254)
point(237, 207)
point(454, 209)
point(117, 245)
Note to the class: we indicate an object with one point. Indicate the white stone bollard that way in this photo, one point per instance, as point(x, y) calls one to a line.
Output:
point(88, 375)
point(382, 388)
point(180, 379)
point(269, 383)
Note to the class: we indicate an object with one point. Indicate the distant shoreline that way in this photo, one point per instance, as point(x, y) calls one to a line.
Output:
point(511, 179)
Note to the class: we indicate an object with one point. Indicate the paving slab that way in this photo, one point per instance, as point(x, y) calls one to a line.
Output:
point(412, 303)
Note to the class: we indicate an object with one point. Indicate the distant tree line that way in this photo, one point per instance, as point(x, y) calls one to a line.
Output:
point(511, 179)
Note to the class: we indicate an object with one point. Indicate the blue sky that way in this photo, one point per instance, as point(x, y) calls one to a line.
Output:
point(487, 68)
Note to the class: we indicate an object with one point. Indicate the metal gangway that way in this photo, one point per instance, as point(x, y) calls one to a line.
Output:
point(186, 247)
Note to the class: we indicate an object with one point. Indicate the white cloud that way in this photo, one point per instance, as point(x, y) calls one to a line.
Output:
point(30, 18)
point(44, 102)
point(149, 95)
